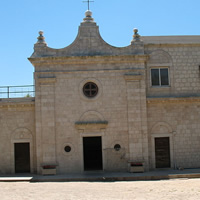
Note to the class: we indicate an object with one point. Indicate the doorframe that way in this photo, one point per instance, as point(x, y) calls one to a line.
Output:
point(21, 135)
point(99, 134)
point(171, 148)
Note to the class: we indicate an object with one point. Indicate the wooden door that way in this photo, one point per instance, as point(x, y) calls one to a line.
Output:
point(162, 152)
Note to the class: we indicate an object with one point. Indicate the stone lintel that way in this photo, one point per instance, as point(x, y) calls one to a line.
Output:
point(91, 125)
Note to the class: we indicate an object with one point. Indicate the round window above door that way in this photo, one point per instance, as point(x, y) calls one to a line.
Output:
point(90, 89)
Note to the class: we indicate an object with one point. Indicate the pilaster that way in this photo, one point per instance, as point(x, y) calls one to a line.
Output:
point(45, 121)
point(137, 117)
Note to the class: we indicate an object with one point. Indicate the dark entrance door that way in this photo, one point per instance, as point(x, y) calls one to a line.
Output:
point(22, 158)
point(92, 149)
point(162, 151)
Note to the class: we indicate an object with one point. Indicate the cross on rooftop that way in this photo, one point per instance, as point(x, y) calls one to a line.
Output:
point(88, 1)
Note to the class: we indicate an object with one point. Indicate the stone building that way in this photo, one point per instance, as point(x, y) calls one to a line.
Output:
point(99, 107)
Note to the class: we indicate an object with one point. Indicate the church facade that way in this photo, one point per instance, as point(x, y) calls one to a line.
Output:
point(99, 107)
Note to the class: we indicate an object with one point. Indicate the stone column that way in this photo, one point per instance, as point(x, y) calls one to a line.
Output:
point(137, 118)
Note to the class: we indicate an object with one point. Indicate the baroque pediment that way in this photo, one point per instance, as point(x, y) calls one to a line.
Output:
point(87, 43)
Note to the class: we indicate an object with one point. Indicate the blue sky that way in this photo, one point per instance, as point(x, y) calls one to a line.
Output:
point(21, 20)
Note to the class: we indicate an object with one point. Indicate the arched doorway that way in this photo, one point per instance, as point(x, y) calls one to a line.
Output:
point(22, 151)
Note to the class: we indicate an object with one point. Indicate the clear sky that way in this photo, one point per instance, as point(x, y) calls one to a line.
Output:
point(20, 21)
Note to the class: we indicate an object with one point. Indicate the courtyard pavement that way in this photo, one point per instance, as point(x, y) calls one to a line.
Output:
point(96, 176)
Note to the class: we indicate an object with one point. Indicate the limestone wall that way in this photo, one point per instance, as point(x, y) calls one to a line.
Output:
point(177, 118)
point(72, 106)
point(183, 62)
point(17, 124)
point(60, 103)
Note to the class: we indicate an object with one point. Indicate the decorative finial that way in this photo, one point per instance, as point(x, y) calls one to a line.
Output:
point(136, 36)
point(41, 38)
point(88, 1)
point(88, 16)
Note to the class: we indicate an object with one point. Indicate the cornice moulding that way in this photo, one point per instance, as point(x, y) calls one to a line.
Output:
point(89, 59)
point(133, 76)
point(151, 100)
point(16, 105)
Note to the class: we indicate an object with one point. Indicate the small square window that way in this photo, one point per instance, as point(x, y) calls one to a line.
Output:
point(160, 77)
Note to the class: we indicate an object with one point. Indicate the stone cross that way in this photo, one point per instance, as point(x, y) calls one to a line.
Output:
point(88, 1)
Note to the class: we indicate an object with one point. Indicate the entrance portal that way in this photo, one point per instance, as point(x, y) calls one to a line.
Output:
point(22, 158)
point(92, 148)
point(162, 151)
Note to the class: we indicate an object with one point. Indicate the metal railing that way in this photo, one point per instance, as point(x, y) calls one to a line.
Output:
point(17, 91)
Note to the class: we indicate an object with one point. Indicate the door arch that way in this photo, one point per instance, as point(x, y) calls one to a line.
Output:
point(162, 134)
point(21, 137)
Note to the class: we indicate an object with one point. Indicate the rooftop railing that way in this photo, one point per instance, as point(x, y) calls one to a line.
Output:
point(17, 91)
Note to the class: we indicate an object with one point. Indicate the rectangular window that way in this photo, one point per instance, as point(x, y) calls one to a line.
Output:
point(160, 77)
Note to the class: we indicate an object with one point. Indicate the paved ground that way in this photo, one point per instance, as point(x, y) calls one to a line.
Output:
point(174, 189)
point(104, 176)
